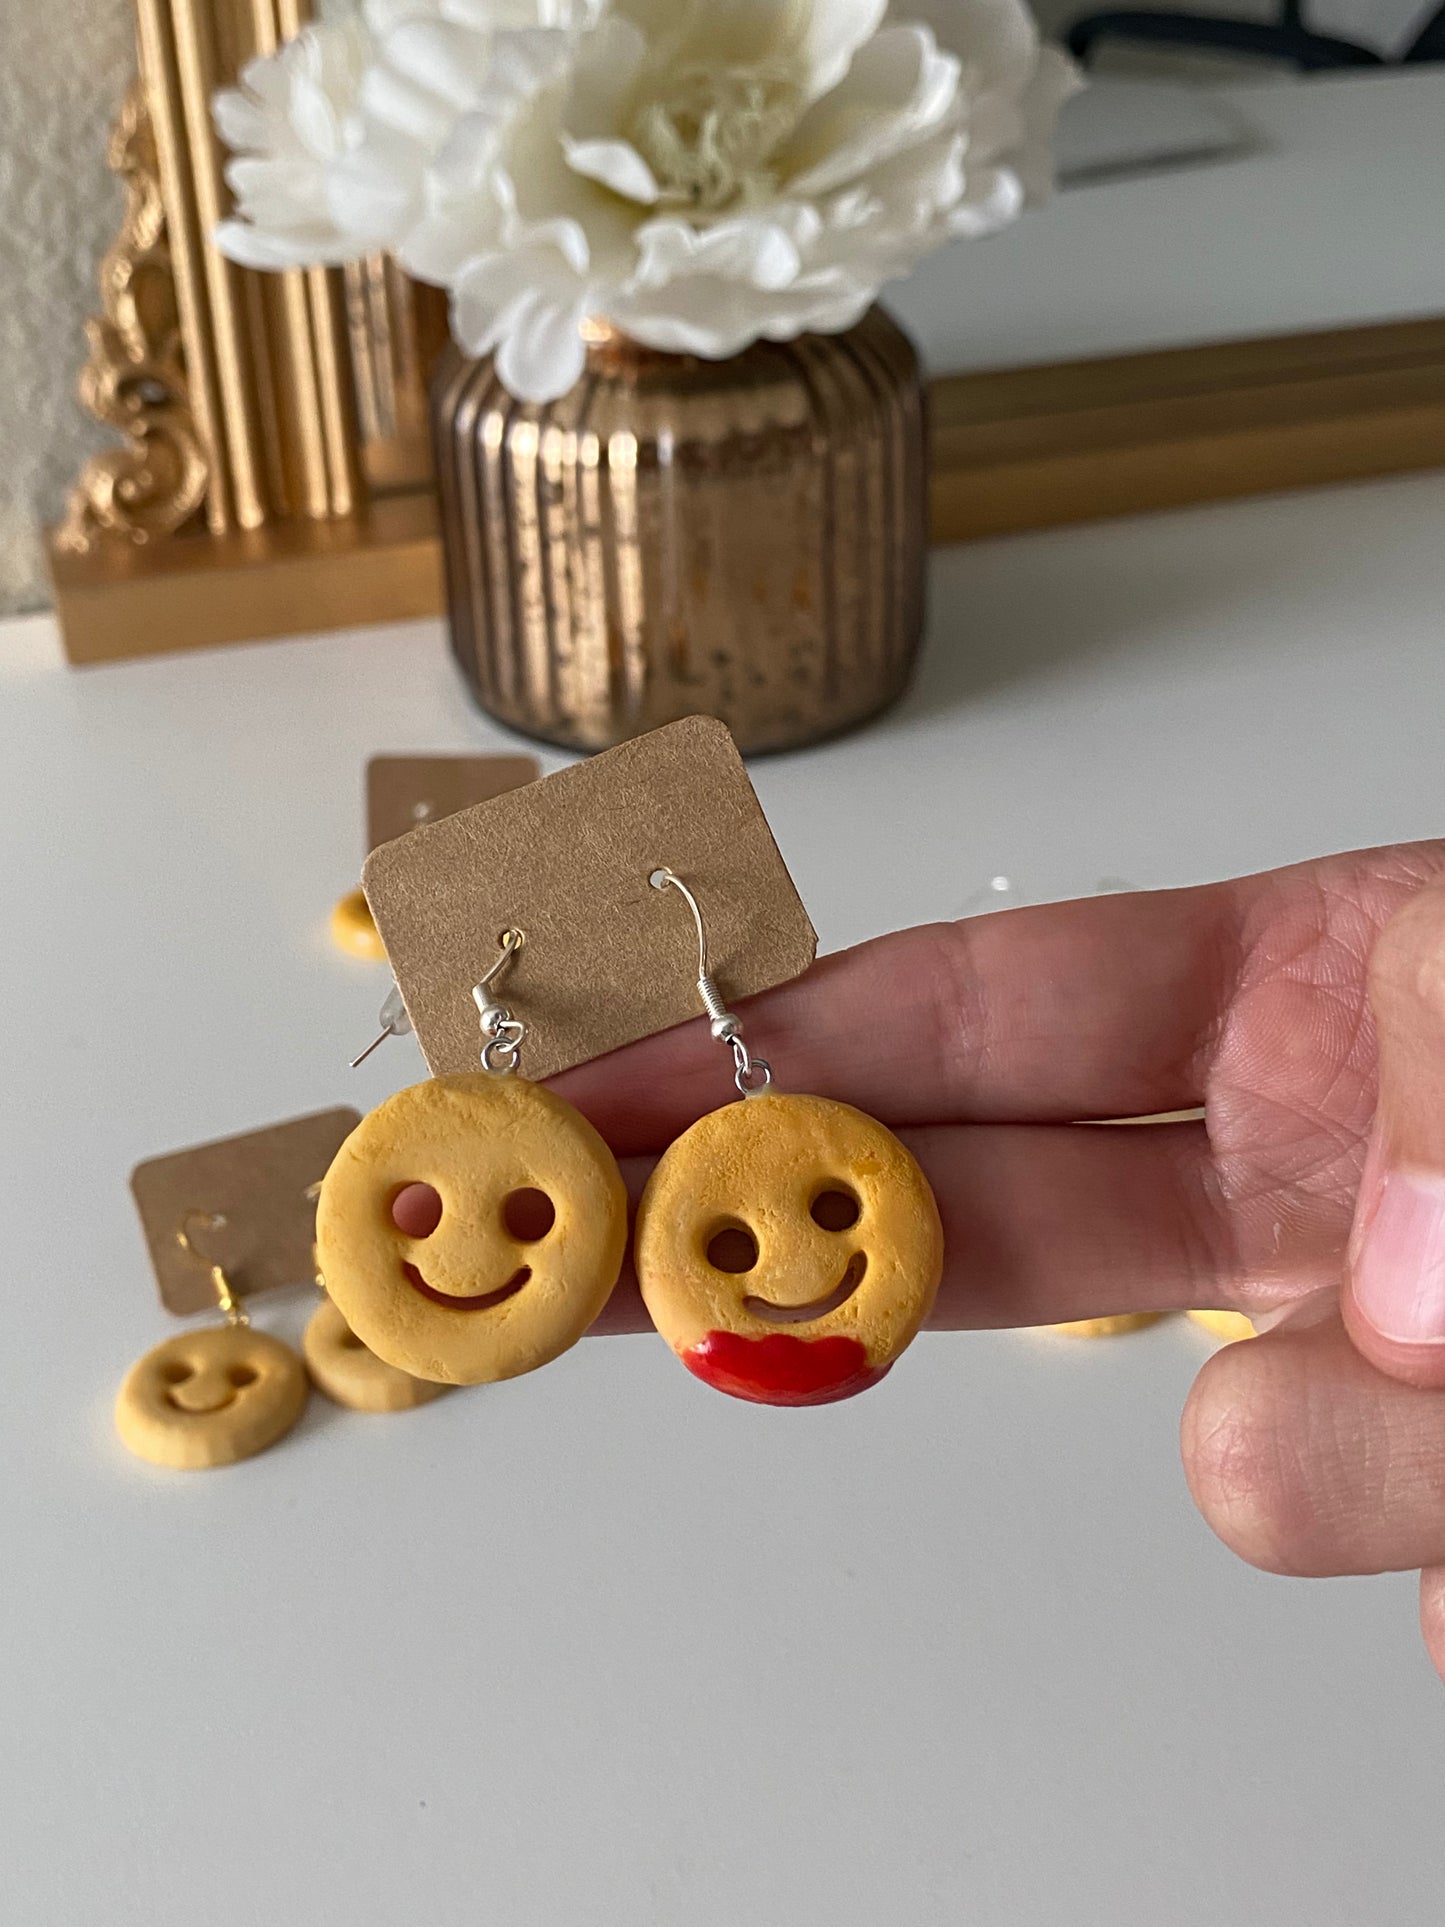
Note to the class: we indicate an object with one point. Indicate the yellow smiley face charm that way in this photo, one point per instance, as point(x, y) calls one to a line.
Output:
point(1231, 1326)
point(788, 1249)
point(342, 1367)
point(471, 1228)
point(353, 928)
point(210, 1397)
point(1115, 1325)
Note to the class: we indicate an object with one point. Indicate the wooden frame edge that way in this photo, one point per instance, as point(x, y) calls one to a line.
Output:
point(1012, 449)
point(1031, 448)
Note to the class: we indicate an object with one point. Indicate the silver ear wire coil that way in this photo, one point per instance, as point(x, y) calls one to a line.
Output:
point(502, 1033)
point(750, 1074)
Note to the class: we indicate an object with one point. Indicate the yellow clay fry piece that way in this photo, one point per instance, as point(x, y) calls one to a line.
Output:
point(353, 928)
point(210, 1397)
point(342, 1367)
point(1231, 1326)
point(1114, 1327)
point(783, 1236)
point(479, 1294)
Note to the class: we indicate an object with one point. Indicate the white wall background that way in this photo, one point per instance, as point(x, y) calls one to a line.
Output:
point(64, 65)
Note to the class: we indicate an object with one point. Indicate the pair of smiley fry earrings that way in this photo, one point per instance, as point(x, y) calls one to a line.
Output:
point(226, 1392)
point(472, 1227)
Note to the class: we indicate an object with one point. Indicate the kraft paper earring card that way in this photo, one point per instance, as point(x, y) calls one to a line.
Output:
point(566, 860)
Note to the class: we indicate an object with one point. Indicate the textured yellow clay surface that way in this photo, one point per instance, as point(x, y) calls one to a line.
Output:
point(353, 928)
point(1231, 1326)
point(759, 1166)
point(210, 1397)
point(1115, 1327)
point(470, 1302)
point(342, 1367)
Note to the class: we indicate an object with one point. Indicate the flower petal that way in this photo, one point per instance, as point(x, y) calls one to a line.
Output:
point(997, 41)
point(526, 61)
point(543, 353)
point(994, 197)
point(300, 247)
point(241, 121)
point(392, 101)
point(615, 164)
point(375, 194)
point(451, 63)
point(567, 239)
point(437, 247)
point(1056, 79)
point(834, 32)
point(493, 288)
point(753, 249)
point(899, 88)
point(605, 68)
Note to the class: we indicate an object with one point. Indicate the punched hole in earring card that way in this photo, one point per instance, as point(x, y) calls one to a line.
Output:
point(403, 792)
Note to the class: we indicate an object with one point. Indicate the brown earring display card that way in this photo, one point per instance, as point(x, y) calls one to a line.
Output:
point(256, 1185)
point(403, 792)
point(606, 958)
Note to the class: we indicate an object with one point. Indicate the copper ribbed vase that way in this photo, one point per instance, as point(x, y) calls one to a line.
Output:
point(741, 538)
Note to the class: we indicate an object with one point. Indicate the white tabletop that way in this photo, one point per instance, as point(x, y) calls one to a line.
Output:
point(598, 1646)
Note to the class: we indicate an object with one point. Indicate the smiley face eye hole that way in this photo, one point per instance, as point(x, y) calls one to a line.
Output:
point(176, 1373)
point(732, 1248)
point(528, 1214)
point(416, 1210)
point(835, 1209)
point(239, 1375)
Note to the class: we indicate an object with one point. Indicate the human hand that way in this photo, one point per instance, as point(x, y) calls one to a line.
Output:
point(1316, 1448)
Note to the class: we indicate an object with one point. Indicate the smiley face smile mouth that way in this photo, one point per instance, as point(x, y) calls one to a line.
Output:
point(480, 1301)
point(200, 1411)
point(817, 1307)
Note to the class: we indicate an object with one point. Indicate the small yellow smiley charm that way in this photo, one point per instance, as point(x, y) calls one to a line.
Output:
point(471, 1228)
point(353, 928)
point(210, 1397)
point(346, 1371)
point(1231, 1326)
point(1113, 1326)
point(788, 1249)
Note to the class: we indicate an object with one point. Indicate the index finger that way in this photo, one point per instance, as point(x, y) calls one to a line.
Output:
point(1102, 1008)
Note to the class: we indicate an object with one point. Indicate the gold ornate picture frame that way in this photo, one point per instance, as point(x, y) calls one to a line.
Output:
point(274, 477)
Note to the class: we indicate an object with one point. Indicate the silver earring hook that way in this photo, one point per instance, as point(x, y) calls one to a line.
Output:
point(661, 879)
point(752, 1075)
point(502, 1033)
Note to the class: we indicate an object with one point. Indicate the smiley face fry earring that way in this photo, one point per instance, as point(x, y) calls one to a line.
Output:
point(472, 1227)
point(788, 1247)
point(210, 1397)
point(346, 1370)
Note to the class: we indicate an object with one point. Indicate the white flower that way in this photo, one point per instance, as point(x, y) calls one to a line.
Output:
point(332, 134)
point(696, 173)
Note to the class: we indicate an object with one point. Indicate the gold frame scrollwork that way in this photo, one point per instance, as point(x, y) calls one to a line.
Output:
point(135, 378)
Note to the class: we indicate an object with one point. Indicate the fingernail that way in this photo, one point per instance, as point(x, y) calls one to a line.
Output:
point(1372, 1178)
point(1398, 1272)
point(1301, 1314)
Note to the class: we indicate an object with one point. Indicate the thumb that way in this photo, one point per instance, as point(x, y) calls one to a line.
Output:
point(1395, 1296)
